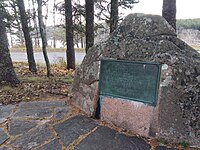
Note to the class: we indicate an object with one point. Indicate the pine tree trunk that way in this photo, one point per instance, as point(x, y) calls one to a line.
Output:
point(169, 12)
point(113, 15)
point(54, 24)
point(89, 7)
point(16, 16)
point(7, 72)
point(82, 42)
point(37, 42)
point(69, 35)
point(11, 39)
point(20, 34)
point(28, 42)
point(29, 12)
point(44, 37)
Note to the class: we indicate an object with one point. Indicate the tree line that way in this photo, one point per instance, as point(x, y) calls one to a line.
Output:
point(107, 11)
point(188, 24)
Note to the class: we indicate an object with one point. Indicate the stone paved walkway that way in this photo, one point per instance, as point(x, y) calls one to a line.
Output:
point(50, 125)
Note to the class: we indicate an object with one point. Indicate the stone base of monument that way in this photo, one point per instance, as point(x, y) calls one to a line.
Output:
point(136, 116)
point(170, 110)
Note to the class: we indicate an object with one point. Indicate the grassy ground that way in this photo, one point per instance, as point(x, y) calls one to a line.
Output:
point(37, 86)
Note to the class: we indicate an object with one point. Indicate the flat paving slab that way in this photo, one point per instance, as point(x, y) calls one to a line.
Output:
point(3, 136)
point(36, 112)
point(60, 112)
point(53, 145)
point(42, 104)
point(105, 138)
point(5, 148)
point(5, 112)
point(164, 148)
point(72, 128)
point(20, 126)
point(33, 138)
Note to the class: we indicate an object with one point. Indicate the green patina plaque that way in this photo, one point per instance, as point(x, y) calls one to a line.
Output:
point(136, 81)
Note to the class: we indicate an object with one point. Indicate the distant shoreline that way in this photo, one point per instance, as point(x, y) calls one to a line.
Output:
point(82, 50)
point(54, 57)
point(23, 49)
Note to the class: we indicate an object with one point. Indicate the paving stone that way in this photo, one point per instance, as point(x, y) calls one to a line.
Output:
point(37, 112)
point(53, 145)
point(164, 148)
point(21, 126)
point(5, 112)
point(33, 138)
point(6, 148)
point(42, 104)
point(3, 136)
point(60, 113)
point(72, 128)
point(105, 138)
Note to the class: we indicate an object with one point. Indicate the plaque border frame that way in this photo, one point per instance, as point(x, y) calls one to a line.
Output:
point(128, 98)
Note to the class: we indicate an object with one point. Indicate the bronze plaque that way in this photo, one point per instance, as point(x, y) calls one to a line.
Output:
point(136, 81)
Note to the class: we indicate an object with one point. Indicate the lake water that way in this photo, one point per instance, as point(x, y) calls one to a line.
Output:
point(53, 57)
point(39, 58)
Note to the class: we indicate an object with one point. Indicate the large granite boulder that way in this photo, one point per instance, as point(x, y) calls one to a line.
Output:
point(147, 38)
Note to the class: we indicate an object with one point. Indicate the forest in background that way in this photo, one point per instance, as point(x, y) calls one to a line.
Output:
point(54, 19)
point(188, 24)
point(80, 24)
point(189, 31)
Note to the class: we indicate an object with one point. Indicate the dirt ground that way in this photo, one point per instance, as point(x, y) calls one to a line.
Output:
point(38, 86)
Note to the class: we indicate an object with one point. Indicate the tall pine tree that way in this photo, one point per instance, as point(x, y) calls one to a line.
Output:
point(7, 72)
point(113, 15)
point(69, 35)
point(28, 41)
point(169, 12)
point(44, 37)
point(114, 8)
point(89, 7)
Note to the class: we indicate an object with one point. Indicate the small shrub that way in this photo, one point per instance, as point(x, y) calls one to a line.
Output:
point(184, 144)
point(67, 79)
point(60, 62)
point(162, 141)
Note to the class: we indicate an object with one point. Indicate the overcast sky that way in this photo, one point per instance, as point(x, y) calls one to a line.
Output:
point(185, 8)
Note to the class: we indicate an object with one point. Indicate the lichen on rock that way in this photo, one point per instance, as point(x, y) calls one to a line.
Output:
point(150, 38)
